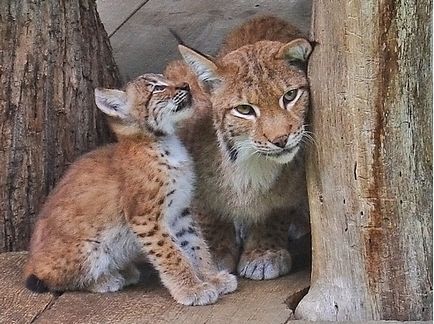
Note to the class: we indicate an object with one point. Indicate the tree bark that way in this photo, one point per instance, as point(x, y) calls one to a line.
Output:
point(52, 55)
point(370, 174)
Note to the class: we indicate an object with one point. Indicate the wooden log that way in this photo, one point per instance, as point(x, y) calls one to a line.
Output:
point(370, 174)
point(17, 303)
point(52, 55)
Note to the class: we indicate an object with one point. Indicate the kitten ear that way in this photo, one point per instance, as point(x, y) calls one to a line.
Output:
point(202, 66)
point(297, 50)
point(112, 102)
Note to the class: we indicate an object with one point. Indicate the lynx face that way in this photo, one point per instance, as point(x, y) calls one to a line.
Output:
point(260, 96)
point(150, 103)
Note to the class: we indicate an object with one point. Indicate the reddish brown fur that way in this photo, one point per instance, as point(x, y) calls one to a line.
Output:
point(250, 68)
point(122, 190)
point(259, 29)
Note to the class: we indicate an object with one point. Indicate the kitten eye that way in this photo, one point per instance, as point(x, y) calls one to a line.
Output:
point(159, 87)
point(245, 110)
point(289, 96)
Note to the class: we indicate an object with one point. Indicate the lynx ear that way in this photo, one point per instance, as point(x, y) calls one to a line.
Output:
point(204, 67)
point(297, 50)
point(112, 102)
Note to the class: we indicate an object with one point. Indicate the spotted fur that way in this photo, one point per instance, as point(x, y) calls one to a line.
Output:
point(246, 140)
point(126, 200)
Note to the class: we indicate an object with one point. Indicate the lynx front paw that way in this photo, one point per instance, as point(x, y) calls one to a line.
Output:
point(108, 283)
point(224, 282)
point(201, 294)
point(268, 264)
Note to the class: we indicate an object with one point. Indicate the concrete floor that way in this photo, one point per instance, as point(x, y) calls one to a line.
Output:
point(139, 29)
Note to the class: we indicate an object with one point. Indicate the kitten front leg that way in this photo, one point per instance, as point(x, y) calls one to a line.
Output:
point(189, 237)
point(265, 254)
point(175, 270)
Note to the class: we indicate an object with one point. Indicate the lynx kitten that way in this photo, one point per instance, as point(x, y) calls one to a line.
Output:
point(126, 199)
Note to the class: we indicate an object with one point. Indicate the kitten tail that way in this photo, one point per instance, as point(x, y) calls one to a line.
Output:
point(35, 284)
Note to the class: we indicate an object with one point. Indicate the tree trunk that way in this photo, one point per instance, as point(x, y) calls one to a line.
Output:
point(370, 174)
point(52, 55)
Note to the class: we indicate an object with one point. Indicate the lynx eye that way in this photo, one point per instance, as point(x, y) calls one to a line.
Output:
point(245, 110)
point(289, 96)
point(159, 87)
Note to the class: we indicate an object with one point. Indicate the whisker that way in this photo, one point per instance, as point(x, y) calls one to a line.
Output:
point(244, 148)
point(309, 135)
point(310, 139)
point(255, 152)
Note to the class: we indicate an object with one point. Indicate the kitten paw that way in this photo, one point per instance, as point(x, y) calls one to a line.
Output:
point(224, 282)
point(260, 265)
point(108, 283)
point(131, 275)
point(200, 294)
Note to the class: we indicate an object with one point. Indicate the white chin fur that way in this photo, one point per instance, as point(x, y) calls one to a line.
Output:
point(284, 158)
point(185, 113)
point(169, 123)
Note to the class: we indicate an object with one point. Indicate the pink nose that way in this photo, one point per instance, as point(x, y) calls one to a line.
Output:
point(280, 141)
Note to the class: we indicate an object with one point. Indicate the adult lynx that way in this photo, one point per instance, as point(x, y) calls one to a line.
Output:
point(246, 143)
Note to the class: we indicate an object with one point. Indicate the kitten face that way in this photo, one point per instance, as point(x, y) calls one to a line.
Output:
point(150, 103)
point(260, 97)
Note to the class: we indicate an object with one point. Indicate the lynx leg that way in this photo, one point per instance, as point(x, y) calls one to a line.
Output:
point(189, 237)
point(92, 263)
point(131, 274)
point(221, 239)
point(265, 254)
point(176, 271)
point(108, 282)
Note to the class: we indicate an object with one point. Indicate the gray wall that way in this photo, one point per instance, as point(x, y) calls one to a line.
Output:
point(140, 36)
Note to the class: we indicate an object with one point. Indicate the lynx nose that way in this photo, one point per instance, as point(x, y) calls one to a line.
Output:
point(183, 86)
point(280, 141)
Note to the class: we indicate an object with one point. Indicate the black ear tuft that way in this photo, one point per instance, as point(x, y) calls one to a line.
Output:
point(34, 284)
